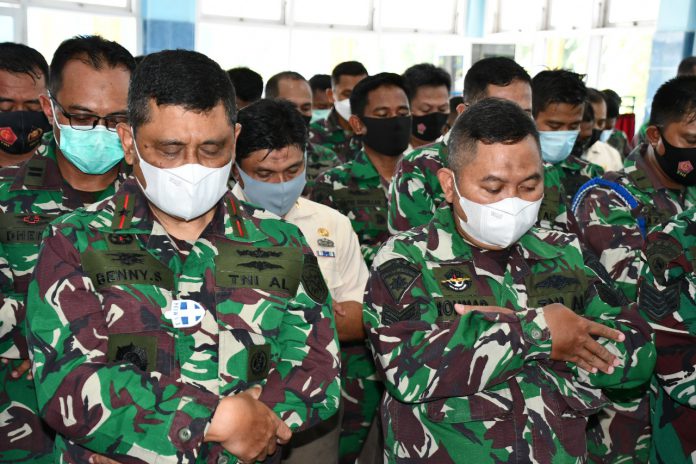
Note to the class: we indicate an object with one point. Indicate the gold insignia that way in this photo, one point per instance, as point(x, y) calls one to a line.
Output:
point(323, 232)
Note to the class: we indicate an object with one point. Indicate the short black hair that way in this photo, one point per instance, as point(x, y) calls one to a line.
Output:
point(595, 96)
point(588, 114)
point(489, 121)
point(425, 74)
point(454, 102)
point(557, 86)
point(495, 70)
point(20, 59)
point(270, 125)
point(674, 101)
point(613, 103)
point(179, 78)
point(90, 49)
point(347, 68)
point(359, 96)
point(248, 84)
point(273, 84)
point(687, 67)
point(320, 82)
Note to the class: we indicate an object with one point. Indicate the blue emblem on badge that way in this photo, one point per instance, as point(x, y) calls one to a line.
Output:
point(185, 313)
point(326, 254)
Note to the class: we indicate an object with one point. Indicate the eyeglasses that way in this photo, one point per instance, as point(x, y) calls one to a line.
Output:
point(86, 121)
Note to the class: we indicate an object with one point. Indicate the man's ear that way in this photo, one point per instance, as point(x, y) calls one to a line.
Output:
point(652, 134)
point(127, 143)
point(46, 108)
point(330, 94)
point(446, 178)
point(235, 175)
point(357, 125)
point(461, 107)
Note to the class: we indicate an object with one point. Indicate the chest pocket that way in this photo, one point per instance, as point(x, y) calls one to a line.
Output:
point(566, 287)
point(458, 284)
point(367, 205)
point(109, 268)
point(550, 205)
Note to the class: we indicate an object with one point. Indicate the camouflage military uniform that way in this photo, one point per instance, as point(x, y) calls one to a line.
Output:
point(114, 375)
point(610, 227)
point(329, 133)
point(574, 172)
point(319, 159)
point(357, 190)
point(666, 299)
point(481, 387)
point(415, 191)
point(31, 195)
point(618, 140)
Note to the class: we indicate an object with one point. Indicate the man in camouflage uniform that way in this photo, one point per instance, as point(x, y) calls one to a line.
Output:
point(415, 192)
point(335, 132)
point(358, 189)
point(156, 314)
point(558, 101)
point(616, 215)
point(293, 87)
point(473, 319)
point(91, 74)
point(666, 299)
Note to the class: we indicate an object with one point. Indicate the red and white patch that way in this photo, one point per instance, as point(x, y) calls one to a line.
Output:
point(421, 128)
point(7, 136)
point(684, 168)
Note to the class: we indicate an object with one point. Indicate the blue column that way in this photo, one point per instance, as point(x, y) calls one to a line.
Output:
point(475, 18)
point(673, 41)
point(168, 24)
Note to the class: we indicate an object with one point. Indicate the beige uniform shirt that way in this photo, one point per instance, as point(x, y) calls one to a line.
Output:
point(335, 244)
point(604, 155)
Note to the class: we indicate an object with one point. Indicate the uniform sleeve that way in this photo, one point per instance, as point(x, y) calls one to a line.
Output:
point(412, 196)
point(636, 353)
point(303, 387)
point(13, 343)
point(354, 272)
point(421, 359)
point(609, 229)
point(106, 407)
point(666, 300)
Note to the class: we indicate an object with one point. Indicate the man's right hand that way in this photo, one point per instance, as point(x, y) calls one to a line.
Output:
point(246, 427)
point(571, 339)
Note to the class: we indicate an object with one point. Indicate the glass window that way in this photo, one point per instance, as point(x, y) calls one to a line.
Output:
point(356, 13)
point(47, 28)
point(570, 14)
point(628, 11)
point(7, 29)
point(111, 3)
point(267, 10)
point(570, 53)
point(418, 15)
point(514, 15)
point(318, 51)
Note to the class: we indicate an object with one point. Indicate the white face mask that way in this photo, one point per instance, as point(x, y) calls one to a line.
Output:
point(343, 108)
point(185, 192)
point(498, 224)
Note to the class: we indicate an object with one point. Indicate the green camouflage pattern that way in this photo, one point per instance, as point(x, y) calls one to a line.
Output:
point(609, 227)
point(114, 376)
point(481, 387)
point(574, 172)
point(319, 159)
point(31, 195)
point(618, 140)
point(329, 133)
point(415, 192)
point(667, 299)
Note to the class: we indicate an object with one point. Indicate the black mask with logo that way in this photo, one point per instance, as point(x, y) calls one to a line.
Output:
point(21, 131)
point(429, 127)
point(678, 163)
point(388, 136)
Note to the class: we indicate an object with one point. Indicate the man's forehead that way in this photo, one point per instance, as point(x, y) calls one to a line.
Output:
point(386, 94)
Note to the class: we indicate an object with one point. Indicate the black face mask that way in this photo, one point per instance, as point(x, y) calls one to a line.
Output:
point(388, 136)
point(678, 163)
point(306, 119)
point(429, 127)
point(21, 131)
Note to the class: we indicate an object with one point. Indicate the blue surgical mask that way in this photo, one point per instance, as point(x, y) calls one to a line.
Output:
point(93, 151)
point(277, 198)
point(320, 114)
point(605, 135)
point(557, 145)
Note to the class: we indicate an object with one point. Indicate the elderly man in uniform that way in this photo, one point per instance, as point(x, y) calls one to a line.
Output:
point(483, 327)
point(78, 163)
point(270, 173)
point(173, 322)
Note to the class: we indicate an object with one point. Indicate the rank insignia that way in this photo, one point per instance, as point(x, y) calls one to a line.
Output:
point(326, 254)
point(323, 232)
point(325, 242)
point(456, 280)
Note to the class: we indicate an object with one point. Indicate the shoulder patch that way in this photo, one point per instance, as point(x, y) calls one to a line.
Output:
point(398, 275)
point(661, 249)
point(313, 281)
point(658, 304)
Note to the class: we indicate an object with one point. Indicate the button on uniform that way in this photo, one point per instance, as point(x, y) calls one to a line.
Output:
point(185, 434)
